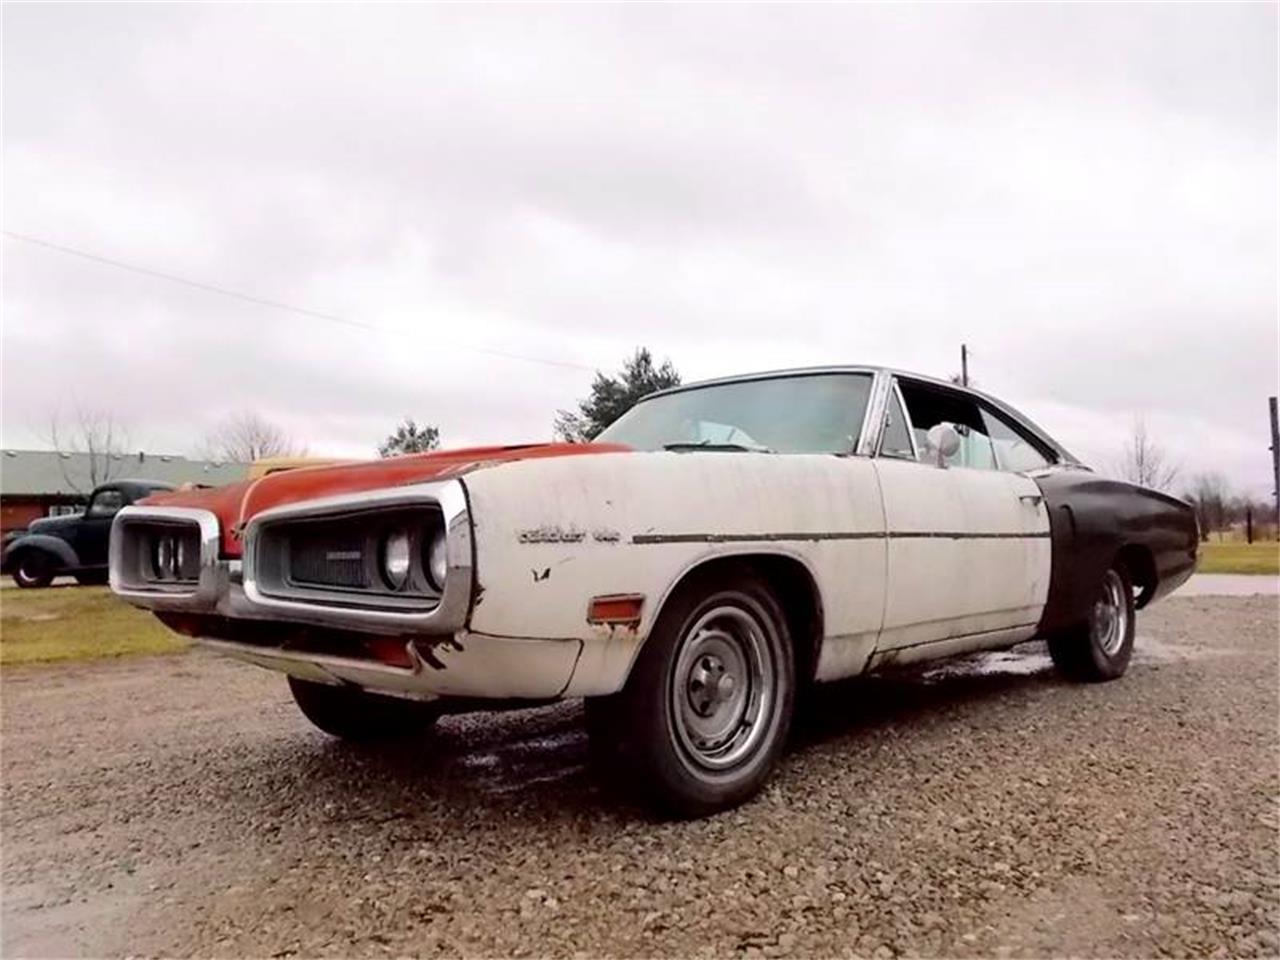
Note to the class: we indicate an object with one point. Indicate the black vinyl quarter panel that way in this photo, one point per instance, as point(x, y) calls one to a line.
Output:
point(1091, 519)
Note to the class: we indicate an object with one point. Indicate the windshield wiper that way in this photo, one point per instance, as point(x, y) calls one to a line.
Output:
point(708, 445)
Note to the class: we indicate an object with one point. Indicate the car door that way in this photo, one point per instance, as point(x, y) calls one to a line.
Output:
point(94, 530)
point(967, 542)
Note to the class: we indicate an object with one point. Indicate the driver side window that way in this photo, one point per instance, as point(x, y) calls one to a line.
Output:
point(928, 406)
point(1013, 451)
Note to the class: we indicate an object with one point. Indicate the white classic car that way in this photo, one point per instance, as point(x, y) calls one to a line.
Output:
point(720, 547)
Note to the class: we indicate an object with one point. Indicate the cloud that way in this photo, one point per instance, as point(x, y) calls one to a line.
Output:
point(1085, 195)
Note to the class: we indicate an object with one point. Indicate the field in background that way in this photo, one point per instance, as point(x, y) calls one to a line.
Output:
point(81, 623)
point(1239, 557)
point(76, 623)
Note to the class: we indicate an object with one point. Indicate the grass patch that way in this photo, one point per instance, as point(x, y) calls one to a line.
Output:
point(1239, 557)
point(77, 623)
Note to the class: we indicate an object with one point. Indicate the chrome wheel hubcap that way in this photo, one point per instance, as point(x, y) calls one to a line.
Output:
point(723, 687)
point(1110, 615)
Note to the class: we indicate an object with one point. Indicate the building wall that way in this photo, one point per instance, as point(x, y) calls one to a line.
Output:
point(17, 512)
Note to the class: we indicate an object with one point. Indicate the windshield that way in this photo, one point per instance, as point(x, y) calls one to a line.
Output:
point(812, 413)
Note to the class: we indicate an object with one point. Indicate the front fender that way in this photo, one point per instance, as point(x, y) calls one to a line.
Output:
point(551, 536)
point(56, 546)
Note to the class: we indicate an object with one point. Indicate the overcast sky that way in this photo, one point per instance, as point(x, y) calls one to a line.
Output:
point(1085, 194)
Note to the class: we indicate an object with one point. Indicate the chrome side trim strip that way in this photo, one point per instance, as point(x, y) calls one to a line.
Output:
point(155, 596)
point(642, 539)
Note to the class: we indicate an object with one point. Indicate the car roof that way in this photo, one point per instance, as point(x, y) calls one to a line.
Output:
point(126, 484)
point(1025, 422)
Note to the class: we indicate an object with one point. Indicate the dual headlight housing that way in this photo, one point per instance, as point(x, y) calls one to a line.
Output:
point(166, 554)
point(385, 557)
point(173, 554)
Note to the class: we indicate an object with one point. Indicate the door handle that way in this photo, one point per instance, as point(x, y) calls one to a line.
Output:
point(1034, 499)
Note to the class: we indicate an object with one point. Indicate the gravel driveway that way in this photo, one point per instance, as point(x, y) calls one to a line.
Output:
point(180, 805)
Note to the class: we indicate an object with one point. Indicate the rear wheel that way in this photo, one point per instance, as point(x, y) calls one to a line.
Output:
point(707, 708)
point(1100, 648)
point(354, 714)
point(34, 568)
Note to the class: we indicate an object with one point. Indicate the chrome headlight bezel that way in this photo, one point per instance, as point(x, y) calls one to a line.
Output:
point(190, 536)
point(379, 611)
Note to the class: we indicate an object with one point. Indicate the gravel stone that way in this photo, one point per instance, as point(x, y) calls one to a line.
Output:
point(182, 806)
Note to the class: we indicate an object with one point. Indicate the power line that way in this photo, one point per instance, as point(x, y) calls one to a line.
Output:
point(273, 304)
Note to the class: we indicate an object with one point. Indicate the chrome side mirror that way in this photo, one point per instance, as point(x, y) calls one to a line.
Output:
point(943, 441)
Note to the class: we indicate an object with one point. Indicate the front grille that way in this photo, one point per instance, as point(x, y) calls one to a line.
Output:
point(326, 561)
point(339, 558)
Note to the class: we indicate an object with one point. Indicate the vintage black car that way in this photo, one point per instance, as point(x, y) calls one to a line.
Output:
point(74, 545)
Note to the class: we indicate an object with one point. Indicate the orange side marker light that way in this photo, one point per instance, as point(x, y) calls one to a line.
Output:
point(620, 609)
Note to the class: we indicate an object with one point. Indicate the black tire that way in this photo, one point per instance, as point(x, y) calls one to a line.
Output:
point(33, 568)
point(1100, 649)
point(353, 714)
point(708, 706)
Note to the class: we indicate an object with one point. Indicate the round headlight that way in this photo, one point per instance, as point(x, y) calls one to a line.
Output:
point(438, 559)
point(396, 559)
point(162, 558)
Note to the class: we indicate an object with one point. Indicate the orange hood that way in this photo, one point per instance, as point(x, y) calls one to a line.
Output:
point(239, 502)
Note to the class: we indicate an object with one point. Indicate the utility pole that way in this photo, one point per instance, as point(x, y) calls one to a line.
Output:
point(964, 382)
point(1275, 463)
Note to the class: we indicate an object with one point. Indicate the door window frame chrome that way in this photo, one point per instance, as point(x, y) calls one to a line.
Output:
point(895, 392)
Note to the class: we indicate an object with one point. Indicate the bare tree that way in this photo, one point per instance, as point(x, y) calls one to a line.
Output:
point(93, 437)
point(245, 437)
point(1145, 462)
point(1209, 495)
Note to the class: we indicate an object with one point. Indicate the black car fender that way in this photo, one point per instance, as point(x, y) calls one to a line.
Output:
point(1093, 520)
point(56, 546)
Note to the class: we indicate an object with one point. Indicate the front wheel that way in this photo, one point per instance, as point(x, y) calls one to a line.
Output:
point(353, 714)
point(707, 708)
point(1100, 648)
point(33, 569)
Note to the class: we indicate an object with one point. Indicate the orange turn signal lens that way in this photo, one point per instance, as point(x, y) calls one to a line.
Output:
point(622, 608)
point(392, 651)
